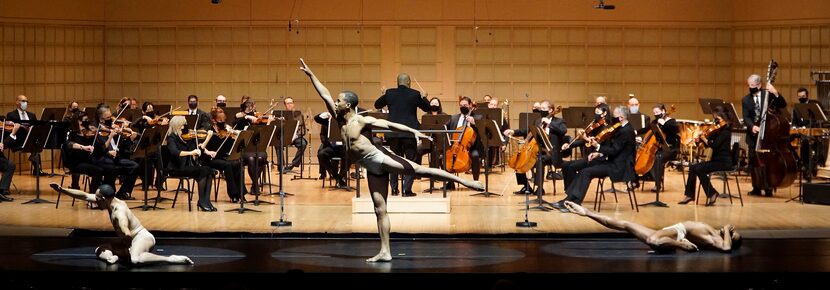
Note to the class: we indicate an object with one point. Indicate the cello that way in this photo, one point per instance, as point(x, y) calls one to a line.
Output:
point(774, 164)
point(525, 158)
point(458, 156)
point(652, 141)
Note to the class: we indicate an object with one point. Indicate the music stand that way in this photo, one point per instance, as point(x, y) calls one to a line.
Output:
point(491, 114)
point(543, 143)
point(263, 136)
point(162, 109)
point(38, 135)
point(92, 113)
point(528, 118)
point(281, 143)
point(490, 134)
point(299, 132)
point(230, 115)
point(58, 134)
point(335, 137)
point(729, 110)
point(148, 144)
point(707, 104)
point(813, 113)
point(238, 147)
point(637, 121)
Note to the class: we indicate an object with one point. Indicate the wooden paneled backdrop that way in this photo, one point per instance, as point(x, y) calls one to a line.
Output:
point(662, 51)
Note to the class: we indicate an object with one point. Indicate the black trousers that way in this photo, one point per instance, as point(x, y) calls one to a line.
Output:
point(203, 176)
point(256, 162)
point(521, 178)
point(570, 169)
point(658, 170)
point(405, 147)
point(579, 187)
point(7, 166)
point(326, 153)
point(148, 166)
point(300, 143)
point(232, 175)
point(701, 171)
point(750, 142)
point(95, 173)
point(114, 167)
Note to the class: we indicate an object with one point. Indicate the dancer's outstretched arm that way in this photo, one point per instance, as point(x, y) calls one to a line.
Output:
point(74, 193)
point(321, 89)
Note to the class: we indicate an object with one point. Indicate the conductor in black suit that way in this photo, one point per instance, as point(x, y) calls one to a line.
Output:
point(752, 106)
point(616, 161)
point(193, 110)
point(20, 115)
point(403, 103)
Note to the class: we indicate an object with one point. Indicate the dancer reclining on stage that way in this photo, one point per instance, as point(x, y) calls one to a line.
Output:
point(685, 236)
point(136, 241)
point(377, 161)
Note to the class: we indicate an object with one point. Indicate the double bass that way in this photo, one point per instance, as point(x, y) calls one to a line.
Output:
point(525, 158)
point(652, 141)
point(774, 164)
point(458, 156)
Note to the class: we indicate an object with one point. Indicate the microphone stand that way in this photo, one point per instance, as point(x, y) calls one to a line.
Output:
point(526, 223)
point(282, 222)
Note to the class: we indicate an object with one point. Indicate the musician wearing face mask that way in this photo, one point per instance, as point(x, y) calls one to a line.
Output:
point(181, 158)
point(803, 98)
point(221, 102)
point(255, 161)
point(403, 103)
point(751, 107)
point(22, 116)
point(570, 168)
point(469, 118)
point(203, 119)
point(536, 106)
point(720, 142)
point(105, 155)
point(555, 128)
point(79, 159)
point(425, 147)
point(671, 131)
point(148, 165)
point(216, 147)
point(634, 108)
point(330, 149)
point(614, 159)
point(72, 109)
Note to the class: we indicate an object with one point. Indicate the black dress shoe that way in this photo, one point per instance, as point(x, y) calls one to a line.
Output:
point(408, 194)
point(768, 193)
point(395, 191)
point(4, 197)
point(524, 190)
point(655, 190)
point(203, 208)
point(686, 200)
point(755, 192)
point(124, 197)
point(710, 201)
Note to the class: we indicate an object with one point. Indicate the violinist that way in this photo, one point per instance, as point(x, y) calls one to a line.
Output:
point(556, 129)
point(468, 117)
point(601, 121)
point(719, 140)
point(255, 161)
point(752, 106)
point(216, 146)
point(79, 159)
point(182, 160)
point(6, 165)
point(299, 140)
point(22, 116)
point(150, 118)
point(71, 109)
point(148, 165)
point(242, 107)
point(105, 154)
point(614, 159)
point(193, 110)
point(671, 131)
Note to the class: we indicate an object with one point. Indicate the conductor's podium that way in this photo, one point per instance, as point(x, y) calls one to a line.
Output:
point(422, 203)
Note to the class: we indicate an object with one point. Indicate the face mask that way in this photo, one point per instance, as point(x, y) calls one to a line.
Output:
point(220, 124)
point(221, 105)
point(753, 91)
point(436, 108)
point(465, 110)
point(24, 105)
point(192, 105)
point(108, 123)
point(635, 109)
point(544, 114)
point(536, 110)
point(658, 116)
point(802, 100)
point(85, 123)
point(74, 110)
point(597, 117)
point(185, 130)
point(151, 114)
point(615, 120)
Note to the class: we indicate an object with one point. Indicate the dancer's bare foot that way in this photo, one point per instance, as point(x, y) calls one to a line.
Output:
point(176, 259)
point(380, 257)
point(474, 184)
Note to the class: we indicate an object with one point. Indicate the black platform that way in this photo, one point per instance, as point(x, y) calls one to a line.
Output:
point(766, 261)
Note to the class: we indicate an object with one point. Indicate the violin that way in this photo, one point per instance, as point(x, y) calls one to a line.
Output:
point(605, 134)
point(262, 118)
point(705, 135)
point(590, 128)
point(199, 134)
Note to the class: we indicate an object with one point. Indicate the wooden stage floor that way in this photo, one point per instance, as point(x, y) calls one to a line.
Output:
point(313, 209)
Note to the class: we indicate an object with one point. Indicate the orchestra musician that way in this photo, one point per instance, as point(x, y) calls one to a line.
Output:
point(803, 98)
point(203, 118)
point(219, 140)
point(6, 164)
point(221, 102)
point(183, 160)
point(571, 167)
point(299, 142)
point(255, 161)
point(329, 150)
point(556, 129)
point(504, 124)
point(615, 160)
point(720, 142)
point(752, 106)
point(133, 103)
point(105, 155)
point(425, 147)
point(21, 115)
point(467, 116)
point(79, 161)
point(403, 103)
point(147, 165)
point(634, 108)
point(671, 131)
point(71, 110)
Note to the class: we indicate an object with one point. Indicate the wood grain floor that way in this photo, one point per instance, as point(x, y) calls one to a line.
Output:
point(313, 209)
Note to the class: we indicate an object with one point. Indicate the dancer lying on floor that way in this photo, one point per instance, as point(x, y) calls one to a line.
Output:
point(136, 241)
point(685, 236)
point(378, 161)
